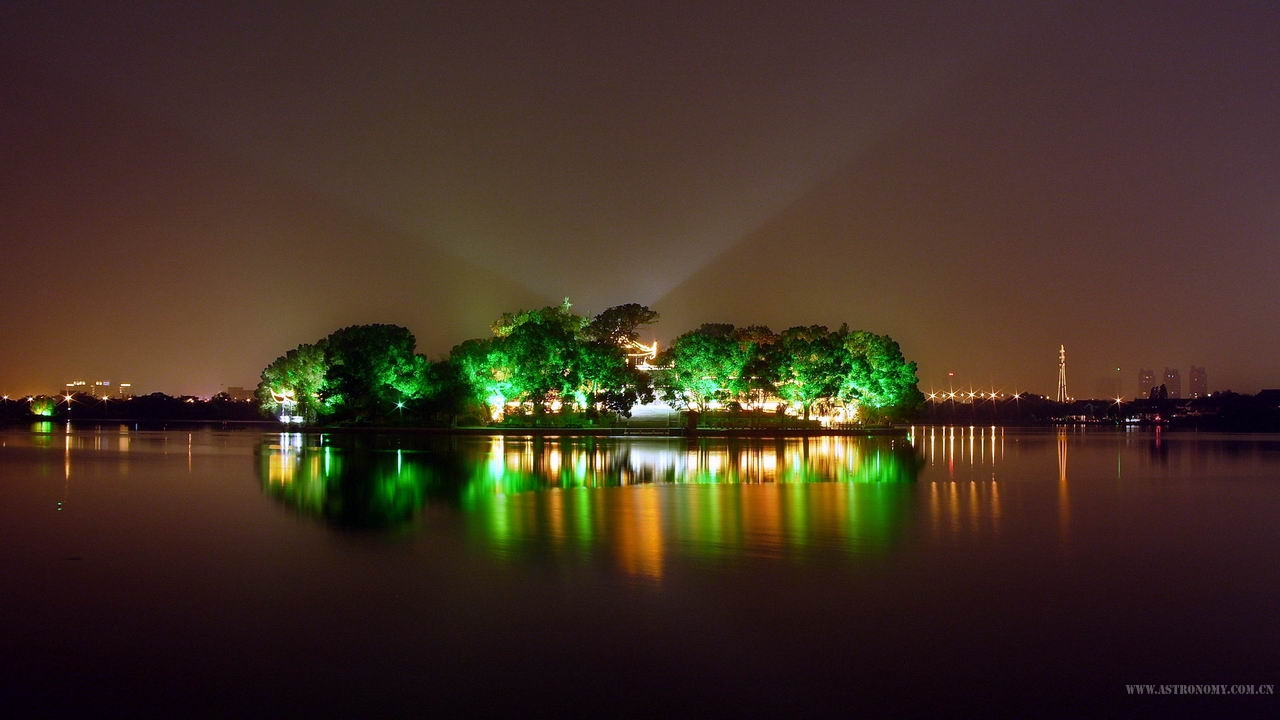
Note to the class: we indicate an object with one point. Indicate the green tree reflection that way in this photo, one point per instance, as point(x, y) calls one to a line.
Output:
point(360, 487)
point(539, 497)
point(42, 433)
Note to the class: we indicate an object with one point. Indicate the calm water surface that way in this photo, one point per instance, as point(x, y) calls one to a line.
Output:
point(955, 572)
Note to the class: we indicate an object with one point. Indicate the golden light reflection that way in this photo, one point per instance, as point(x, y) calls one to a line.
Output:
point(1064, 496)
point(974, 447)
point(640, 545)
point(963, 508)
point(66, 470)
point(958, 505)
point(283, 458)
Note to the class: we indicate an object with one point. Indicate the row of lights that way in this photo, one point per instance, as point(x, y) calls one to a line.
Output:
point(971, 395)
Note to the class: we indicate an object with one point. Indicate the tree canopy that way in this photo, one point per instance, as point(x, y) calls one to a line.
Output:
point(553, 355)
point(619, 324)
point(803, 366)
point(361, 373)
point(710, 364)
point(551, 358)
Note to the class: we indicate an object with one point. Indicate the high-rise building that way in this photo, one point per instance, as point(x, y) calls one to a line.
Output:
point(1173, 382)
point(1146, 381)
point(1199, 382)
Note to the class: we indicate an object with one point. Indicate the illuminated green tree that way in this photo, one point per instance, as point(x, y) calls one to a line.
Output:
point(43, 406)
point(487, 373)
point(558, 317)
point(358, 373)
point(539, 356)
point(879, 379)
point(607, 381)
point(807, 364)
point(712, 363)
point(526, 360)
point(295, 382)
point(759, 340)
point(544, 350)
point(373, 371)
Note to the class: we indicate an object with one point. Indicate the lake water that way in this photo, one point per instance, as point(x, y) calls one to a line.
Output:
point(958, 571)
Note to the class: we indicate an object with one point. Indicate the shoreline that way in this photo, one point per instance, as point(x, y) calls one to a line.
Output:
point(543, 431)
point(272, 426)
point(614, 431)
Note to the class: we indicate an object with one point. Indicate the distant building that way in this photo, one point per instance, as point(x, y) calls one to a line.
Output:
point(1173, 381)
point(1199, 382)
point(99, 389)
point(236, 392)
point(1146, 381)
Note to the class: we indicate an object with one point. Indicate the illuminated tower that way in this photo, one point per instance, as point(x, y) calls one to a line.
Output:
point(1062, 373)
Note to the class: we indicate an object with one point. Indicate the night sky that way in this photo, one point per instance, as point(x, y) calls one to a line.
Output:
point(193, 188)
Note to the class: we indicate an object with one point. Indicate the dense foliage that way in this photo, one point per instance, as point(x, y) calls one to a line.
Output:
point(362, 373)
point(713, 364)
point(552, 357)
point(859, 374)
point(553, 360)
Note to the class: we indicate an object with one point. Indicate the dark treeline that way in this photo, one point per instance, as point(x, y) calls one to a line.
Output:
point(1224, 411)
point(156, 407)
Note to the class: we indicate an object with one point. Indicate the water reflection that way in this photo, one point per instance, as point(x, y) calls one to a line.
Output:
point(518, 465)
point(1064, 494)
point(571, 498)
point(964, 490)
point(969, 508)
point(359, 488)
point(960, 446)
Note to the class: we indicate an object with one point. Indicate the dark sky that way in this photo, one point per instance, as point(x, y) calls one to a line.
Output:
point(193, 188)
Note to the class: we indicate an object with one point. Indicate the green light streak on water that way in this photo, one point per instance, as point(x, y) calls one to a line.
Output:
point(797, 499)
point(583, 525)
